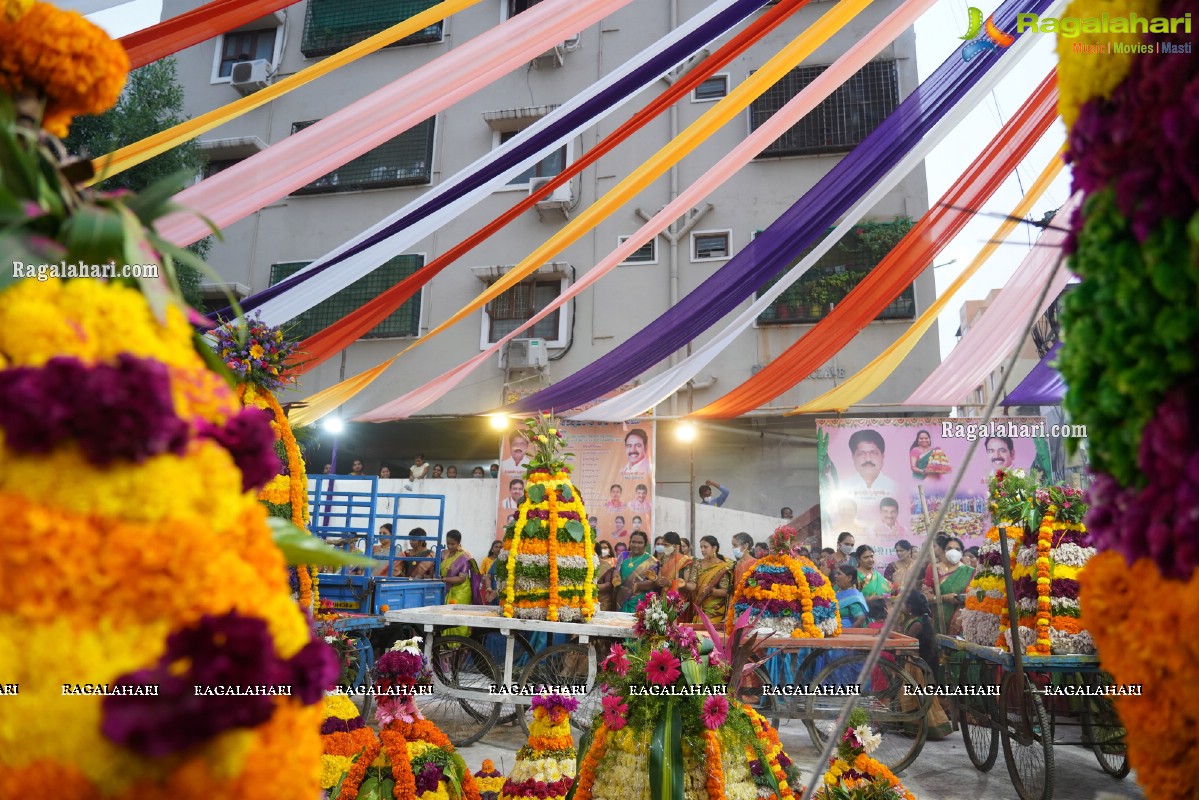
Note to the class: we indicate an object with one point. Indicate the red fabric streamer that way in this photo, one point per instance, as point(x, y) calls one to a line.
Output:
point(195, 26)
point(903, 264)
point(325, 344)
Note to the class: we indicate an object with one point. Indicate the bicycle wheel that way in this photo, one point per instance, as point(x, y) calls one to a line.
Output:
point(1027, 741)
point(750, 693)
point(562, 664)
point(1101, 727)
point(461, 663)
point(899, 716)
point(975, 715)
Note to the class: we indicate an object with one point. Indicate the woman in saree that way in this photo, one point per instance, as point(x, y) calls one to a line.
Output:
point(918, 454)
point(456, 572)
point(605, 577)
point(636, 573)
point(710, 580)
point(953, 576)
point(849, 598)
point(673, 565)
point(871, 581)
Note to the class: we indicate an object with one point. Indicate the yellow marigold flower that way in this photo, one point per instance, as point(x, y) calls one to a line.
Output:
point(13, 10)
point(1084, 76)
point(63, 58)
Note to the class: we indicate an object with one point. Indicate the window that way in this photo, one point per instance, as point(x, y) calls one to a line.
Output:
point(547, 167)
point(515, 7)
point(333, 25)
point(836, 273)
point(713, 88)
point(246, 46)
point(646, 254)
point(219, 165)
point(709, 245)
point(404, 161)
point(838, 124)
point(511, 309)
point(404, 321)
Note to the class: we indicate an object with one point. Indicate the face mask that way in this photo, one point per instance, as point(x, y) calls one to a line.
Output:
point(669, 549)
point(737, 552)
point(953, 556)
point(847, 549)
point(659, 548)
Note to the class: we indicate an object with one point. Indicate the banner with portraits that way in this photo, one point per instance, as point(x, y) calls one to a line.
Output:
point(872, 470)
point(612, 468)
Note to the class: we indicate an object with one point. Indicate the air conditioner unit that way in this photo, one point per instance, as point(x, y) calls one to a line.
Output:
point(552, 58)
point(524, 354)
point(250, 76)
point(559, 199)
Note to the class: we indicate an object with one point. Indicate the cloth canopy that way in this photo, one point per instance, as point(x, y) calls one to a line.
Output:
point(1043, 386)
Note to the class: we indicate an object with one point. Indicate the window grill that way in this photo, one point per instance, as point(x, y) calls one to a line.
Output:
point(645, 254)
point(404, 321)
point(826, 284)
point(404, 161)
point(333, 25)
point(512, 308)
point(838, 124)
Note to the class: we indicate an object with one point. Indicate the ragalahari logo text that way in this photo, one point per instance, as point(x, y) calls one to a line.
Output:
point(983, 37)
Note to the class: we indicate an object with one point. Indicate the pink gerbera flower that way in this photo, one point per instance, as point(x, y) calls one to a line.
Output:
point(615, 710)
point(716, 710)
point(616, 661)
point(662, 668)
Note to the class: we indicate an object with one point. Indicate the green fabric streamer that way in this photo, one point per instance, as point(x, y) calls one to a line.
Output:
point(666, 755)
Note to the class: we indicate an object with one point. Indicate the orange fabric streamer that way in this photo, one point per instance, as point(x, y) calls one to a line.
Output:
point(903, 264)
point(195, 26)
point(326, 343)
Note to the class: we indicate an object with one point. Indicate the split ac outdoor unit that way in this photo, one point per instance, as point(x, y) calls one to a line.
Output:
point(552, 58)
point(250, 76)
point(559, 199)
point(524, 354)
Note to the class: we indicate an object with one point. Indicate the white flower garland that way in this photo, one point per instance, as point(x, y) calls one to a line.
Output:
point(1072, 555)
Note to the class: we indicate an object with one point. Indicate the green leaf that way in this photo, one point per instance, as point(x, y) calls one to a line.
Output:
point(301, 547)
point(693, 671)
point(575, 529)
point(536, 493)
point(153, 202)
point(94, 235)
point(666, 755)
point(532, 527)
point(567, 493)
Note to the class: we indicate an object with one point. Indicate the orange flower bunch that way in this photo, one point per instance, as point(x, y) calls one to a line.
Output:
point(1043, 645)
point(772, 747)
point(62, 58)
point(396, 748)
point(540, 547)
point(341, 743)
point(551, 542)
point(875, 770)
point(586, 777)
point(353, 778)
point(421, 730)
point(712, 766)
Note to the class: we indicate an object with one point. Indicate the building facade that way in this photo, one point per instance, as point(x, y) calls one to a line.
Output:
point(281, 238)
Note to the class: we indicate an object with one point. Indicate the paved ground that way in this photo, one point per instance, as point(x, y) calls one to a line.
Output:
point(942, 771)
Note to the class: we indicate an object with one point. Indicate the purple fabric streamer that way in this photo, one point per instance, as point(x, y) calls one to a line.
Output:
point(635, 81)
point(778, 246)
point(1043, 386)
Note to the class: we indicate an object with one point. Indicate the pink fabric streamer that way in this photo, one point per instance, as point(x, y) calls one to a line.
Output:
point(799, 106)
point(990, 342)
point(301, 158)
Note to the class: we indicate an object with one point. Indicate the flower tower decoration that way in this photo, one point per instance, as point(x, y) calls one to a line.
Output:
point(1049, 547)
point(135, 562)
point(669, 730)
point(260, 355)
point(489, 780)
point(547, 565)
point(410, 758)
point(1130, 359)
point(853, 774)
point(545, 767)
point(787, 593)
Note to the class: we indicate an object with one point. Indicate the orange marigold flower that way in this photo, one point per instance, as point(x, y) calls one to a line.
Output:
point(63, 58)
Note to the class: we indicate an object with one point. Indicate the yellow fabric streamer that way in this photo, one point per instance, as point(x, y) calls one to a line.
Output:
point(870, 377)
point(139, 152)
point(328, 400)
point(716, 117)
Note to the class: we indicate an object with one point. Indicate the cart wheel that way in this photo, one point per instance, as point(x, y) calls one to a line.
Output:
point(461, 663)
point(750, 693)
point(522, 653)
point(1027, 742)
point(975, 715)
point(557, 665)
point(901, 718)
point(1101, 727)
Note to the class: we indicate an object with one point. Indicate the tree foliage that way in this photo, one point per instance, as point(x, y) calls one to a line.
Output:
point(151, 102)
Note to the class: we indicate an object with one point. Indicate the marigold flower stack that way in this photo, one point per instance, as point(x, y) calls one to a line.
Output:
point(787, 593)
point(547, 566)
point(545, 767)
point(1130, 359)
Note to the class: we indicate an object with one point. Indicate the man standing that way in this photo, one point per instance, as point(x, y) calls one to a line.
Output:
point(705, 494)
